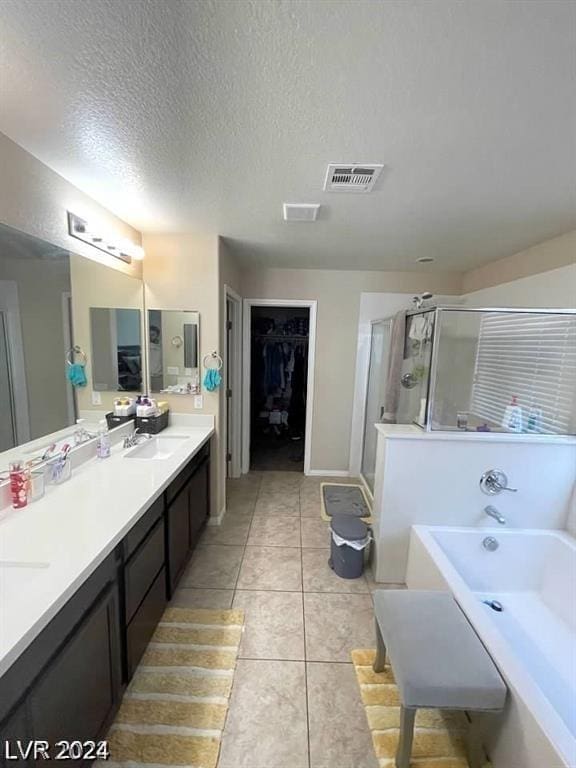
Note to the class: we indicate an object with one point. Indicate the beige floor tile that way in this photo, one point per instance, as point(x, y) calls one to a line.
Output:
point(275, 531)
point(315, 532)
point(233, 530)
point(339, 733)
point(281, 482)
point(240, 507)
point(276, 568)
point(281, 503)
point(319, 577)
point(266, 725)
point(336, 624)
point(273, 625)
point(186, 597)
point(214, 566)
point(310, 506)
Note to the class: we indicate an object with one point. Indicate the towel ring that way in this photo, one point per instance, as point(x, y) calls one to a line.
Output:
point(76, 350)
point(212, 356)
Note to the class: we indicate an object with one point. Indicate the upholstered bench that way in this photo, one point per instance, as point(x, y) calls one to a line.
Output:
point(438, 662)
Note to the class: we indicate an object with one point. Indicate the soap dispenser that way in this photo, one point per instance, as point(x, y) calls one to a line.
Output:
point(103, 444)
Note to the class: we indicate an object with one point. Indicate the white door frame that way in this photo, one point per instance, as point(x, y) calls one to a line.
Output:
point(246, 373)
point(10, 305)
point(233, 358)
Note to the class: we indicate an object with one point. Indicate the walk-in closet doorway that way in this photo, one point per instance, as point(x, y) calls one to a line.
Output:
point(278, 384)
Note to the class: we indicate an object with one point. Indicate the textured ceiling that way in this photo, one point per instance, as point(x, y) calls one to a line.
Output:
point(182, 115)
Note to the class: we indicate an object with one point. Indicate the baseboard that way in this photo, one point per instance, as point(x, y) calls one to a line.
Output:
point(217, 519)
point(328, 473)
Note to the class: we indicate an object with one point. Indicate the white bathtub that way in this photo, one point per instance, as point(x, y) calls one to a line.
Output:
point(532, 641)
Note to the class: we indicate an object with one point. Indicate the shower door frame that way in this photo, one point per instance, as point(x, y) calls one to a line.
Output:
point(387, 320)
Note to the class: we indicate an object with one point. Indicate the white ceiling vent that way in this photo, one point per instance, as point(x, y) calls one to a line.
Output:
point(300, 211)
point(352, 178)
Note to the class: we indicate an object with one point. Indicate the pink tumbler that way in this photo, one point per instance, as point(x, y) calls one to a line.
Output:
point(18, 484)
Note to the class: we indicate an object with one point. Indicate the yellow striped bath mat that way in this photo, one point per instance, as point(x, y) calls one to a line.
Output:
point(439, 737)
point(174, 709)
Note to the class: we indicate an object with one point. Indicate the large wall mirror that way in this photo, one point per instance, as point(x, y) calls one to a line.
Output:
point(116, 342)
point(173, 351)
point(50, 372)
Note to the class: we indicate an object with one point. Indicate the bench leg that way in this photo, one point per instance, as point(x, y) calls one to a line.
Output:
point(380, 660)
point(474, 746)
point(404, 751)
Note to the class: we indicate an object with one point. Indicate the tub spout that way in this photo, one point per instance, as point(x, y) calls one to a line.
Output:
point(493, 513)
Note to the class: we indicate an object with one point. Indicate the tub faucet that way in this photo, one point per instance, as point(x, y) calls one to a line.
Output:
point(493, 512)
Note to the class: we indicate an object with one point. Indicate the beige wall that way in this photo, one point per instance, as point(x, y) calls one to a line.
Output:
point(554, 289)
point(96, 285)
point(549, 255)
point(34, 199)
point(338, 297)
point(181, 272)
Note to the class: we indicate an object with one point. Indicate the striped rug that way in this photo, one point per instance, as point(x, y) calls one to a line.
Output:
point(439, 737)
point(174, 709)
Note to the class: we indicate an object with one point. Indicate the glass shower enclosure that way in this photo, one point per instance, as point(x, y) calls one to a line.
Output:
point(490, 370)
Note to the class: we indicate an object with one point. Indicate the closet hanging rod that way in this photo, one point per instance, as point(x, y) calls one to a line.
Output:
point(279, 337)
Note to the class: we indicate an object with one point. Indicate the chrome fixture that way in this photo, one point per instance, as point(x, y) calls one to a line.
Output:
point(495, 481)
point(490, 543)
point(494, 604)
point(81, 435)
point(493, 513)
point(136, 438)
point(419, 300)
point(123, 249)
point(409, 380)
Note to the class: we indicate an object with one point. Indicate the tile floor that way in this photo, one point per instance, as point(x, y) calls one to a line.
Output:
point(295, 701)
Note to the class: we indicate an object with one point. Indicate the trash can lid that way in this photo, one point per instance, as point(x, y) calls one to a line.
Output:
point(348, 527)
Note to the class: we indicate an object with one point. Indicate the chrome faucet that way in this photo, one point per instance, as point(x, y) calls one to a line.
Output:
point(493, 513)
point(131, 440)
point(81, 435)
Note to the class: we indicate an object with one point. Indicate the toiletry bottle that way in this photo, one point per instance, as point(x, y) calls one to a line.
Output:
point(534, 420)
point(103, 444)
point(512, 420)
point(18, 484)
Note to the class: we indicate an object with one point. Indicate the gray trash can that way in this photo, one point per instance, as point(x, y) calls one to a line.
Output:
point(347, 561)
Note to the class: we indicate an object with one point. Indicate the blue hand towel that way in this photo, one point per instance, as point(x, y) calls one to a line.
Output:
point(77, 375)
point(212, 380)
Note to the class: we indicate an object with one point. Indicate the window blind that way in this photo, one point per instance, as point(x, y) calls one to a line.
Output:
point(532, 356)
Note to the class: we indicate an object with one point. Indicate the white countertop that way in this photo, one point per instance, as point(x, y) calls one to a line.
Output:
point(71, 530)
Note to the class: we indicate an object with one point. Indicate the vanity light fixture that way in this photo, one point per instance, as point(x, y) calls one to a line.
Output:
point(124, 249)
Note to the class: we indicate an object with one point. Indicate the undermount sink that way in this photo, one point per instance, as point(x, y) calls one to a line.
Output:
point(160, 447)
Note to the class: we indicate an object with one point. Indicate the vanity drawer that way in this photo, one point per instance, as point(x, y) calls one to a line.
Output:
point(141, 528)
point(142, 568)
point(144, 621)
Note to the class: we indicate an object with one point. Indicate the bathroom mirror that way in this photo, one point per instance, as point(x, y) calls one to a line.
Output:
point(35, 336)
point(116, 344)
point(173, 351)
point(46, 293)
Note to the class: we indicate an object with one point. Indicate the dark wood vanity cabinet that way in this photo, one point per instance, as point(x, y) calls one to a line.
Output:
point(69, 682)
point(77, 695)
point(187, 509)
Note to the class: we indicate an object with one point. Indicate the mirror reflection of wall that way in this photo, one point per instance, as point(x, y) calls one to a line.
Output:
point(35, 336)
point(116, 346)
point(173, 353)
